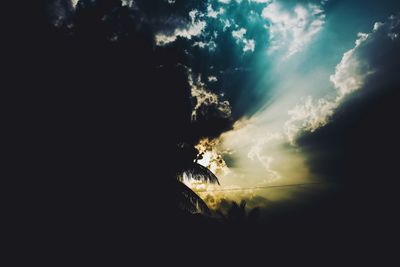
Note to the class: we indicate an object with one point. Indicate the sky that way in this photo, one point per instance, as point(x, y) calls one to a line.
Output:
point(265, 77)
point(281, 70)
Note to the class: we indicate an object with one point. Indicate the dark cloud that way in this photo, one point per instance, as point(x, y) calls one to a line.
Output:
point(60, 11)
point(357, 150)
point(380, 53)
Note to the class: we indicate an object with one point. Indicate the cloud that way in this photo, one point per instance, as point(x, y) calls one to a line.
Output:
point(212, 79)
point(355, 147)
point(264, 146)
point(212, 13)
point(239, 34)
point(224, 1)
point(60, 12)
point(194, 28)
point(248, 44)
point(309, 115)
point(128, 3)
point(211, 45)
point(261, 1)
point(221, 200)
point(351, 74)
point(206, 99)
point(260, 150)
point(352, 71)
point(292, 30)
point(74, 3)
point(256, 152)
point(210, 158)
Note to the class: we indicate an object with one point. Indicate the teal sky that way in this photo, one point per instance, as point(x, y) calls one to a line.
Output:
point(250, 80)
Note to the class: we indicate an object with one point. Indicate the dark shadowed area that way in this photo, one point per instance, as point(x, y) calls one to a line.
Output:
point(99, 128)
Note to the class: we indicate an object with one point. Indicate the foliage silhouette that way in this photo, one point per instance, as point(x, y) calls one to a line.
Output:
point(114, 43)
point(237, 214)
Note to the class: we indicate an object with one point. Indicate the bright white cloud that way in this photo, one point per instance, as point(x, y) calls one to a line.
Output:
point(213, 13)
point(212, 79)
point(292, 30)
point(308, 115)
point(351, 71)
point(349, 76)
point(239, 34)
point(248, 44)
point(227, 24)
point(129, 3)
point(74, 3)
point(211, 45)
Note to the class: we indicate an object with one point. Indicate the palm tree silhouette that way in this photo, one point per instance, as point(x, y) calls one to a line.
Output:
point(187, 199)
point(96, 21)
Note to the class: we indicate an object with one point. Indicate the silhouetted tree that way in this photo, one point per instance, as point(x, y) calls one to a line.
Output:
point(237, 214)
point(189, 168)
point(95, 25)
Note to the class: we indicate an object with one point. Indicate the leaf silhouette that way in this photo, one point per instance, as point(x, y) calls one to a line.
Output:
point(198, 172)
point(189, 200)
